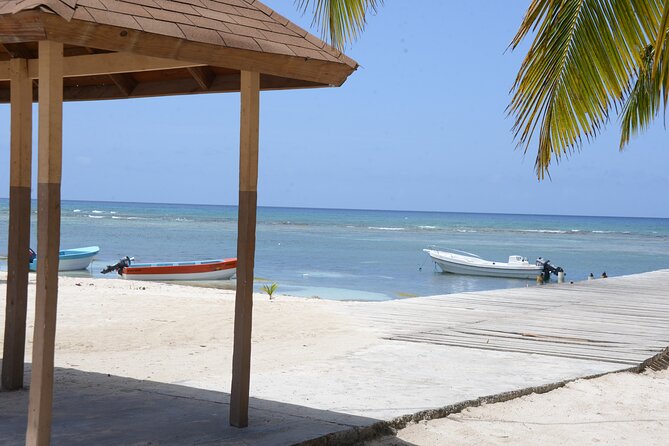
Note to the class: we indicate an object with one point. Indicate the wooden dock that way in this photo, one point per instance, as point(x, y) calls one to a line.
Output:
point(621, 320)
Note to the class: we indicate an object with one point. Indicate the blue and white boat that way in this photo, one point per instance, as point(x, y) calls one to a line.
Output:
point(71, 259)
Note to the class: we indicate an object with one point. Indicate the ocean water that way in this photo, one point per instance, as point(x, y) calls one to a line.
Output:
point(358, 254)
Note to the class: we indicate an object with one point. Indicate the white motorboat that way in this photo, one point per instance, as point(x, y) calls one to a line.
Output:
point(460, 262)
point(70, 259)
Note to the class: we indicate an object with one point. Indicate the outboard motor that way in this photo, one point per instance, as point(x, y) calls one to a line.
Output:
point(118, 267)
point(548, 269)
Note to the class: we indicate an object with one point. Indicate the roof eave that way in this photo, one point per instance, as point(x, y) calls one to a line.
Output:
point(36, 25)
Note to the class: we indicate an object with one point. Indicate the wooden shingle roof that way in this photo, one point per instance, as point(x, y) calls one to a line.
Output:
point(215, 39)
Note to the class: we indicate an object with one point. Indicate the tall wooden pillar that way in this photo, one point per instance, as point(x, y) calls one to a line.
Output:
point(246, 239)
point(48, 240)
point(19, 225)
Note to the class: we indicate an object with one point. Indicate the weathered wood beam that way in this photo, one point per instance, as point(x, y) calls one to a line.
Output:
point(124, 82)
point(246, 238)
point(112, 63)
point(105, 63)
point(19, 226)
point(140, 90)
point(203, 76)
point(223, 83)
point(48, 241)
point(19, 51)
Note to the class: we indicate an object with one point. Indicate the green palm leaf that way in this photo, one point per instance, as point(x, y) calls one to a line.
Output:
point(341, 20)
point(643, 102)
point(662, 51)
point(582, 61)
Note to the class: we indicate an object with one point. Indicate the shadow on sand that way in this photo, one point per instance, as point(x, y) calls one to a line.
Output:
point(99, 409)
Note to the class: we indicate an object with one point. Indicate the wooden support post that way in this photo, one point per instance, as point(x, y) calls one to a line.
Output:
point(19, 225)
point(246, 239)
point(48, 240)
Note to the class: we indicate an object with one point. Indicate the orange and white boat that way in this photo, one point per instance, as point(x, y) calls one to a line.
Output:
point(193, 270)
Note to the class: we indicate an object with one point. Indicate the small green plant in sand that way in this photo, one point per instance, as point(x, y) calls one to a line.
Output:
point(270, 289)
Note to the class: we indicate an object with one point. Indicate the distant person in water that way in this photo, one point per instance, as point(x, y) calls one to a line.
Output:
point(591, 276)
point(604, 276)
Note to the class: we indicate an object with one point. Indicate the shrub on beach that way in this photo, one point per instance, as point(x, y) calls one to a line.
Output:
point(270, 289)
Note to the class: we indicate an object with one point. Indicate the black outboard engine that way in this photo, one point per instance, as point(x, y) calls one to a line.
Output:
point(118, 267)
point(548, 269)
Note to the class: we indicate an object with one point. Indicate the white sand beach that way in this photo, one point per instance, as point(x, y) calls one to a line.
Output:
point(616, 409)
point(339, 359)
point(172, 333)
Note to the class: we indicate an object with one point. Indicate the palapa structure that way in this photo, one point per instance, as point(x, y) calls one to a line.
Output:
point(56, 50)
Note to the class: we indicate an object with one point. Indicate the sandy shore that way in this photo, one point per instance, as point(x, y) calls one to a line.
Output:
point(134, 329)
point(616, 409)
point(326, 355)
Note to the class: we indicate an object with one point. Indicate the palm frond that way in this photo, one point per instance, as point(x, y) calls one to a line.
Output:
point(643, 102)
point(582, 60)
point(662, 52)
point(340, 21)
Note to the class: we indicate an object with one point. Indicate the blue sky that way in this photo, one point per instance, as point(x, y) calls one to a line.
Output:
point(421, 125)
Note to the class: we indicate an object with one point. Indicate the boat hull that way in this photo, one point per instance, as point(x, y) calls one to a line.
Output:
point(205, 270)
point(456, 264)
point(72, 259)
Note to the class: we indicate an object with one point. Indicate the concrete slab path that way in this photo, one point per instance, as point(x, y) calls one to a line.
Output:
point(322, 366)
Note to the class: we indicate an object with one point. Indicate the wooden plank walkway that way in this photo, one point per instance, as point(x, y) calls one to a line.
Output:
point(620, 319)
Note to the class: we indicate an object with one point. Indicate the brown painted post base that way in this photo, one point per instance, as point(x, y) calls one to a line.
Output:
point(239, 397)
point(21, 96)
point(17, 288)
point(46, 300)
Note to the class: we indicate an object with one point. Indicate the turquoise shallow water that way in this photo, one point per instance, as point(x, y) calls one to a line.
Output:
point(357, 254)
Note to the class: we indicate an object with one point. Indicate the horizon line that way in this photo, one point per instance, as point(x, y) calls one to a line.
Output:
point(357, 209)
